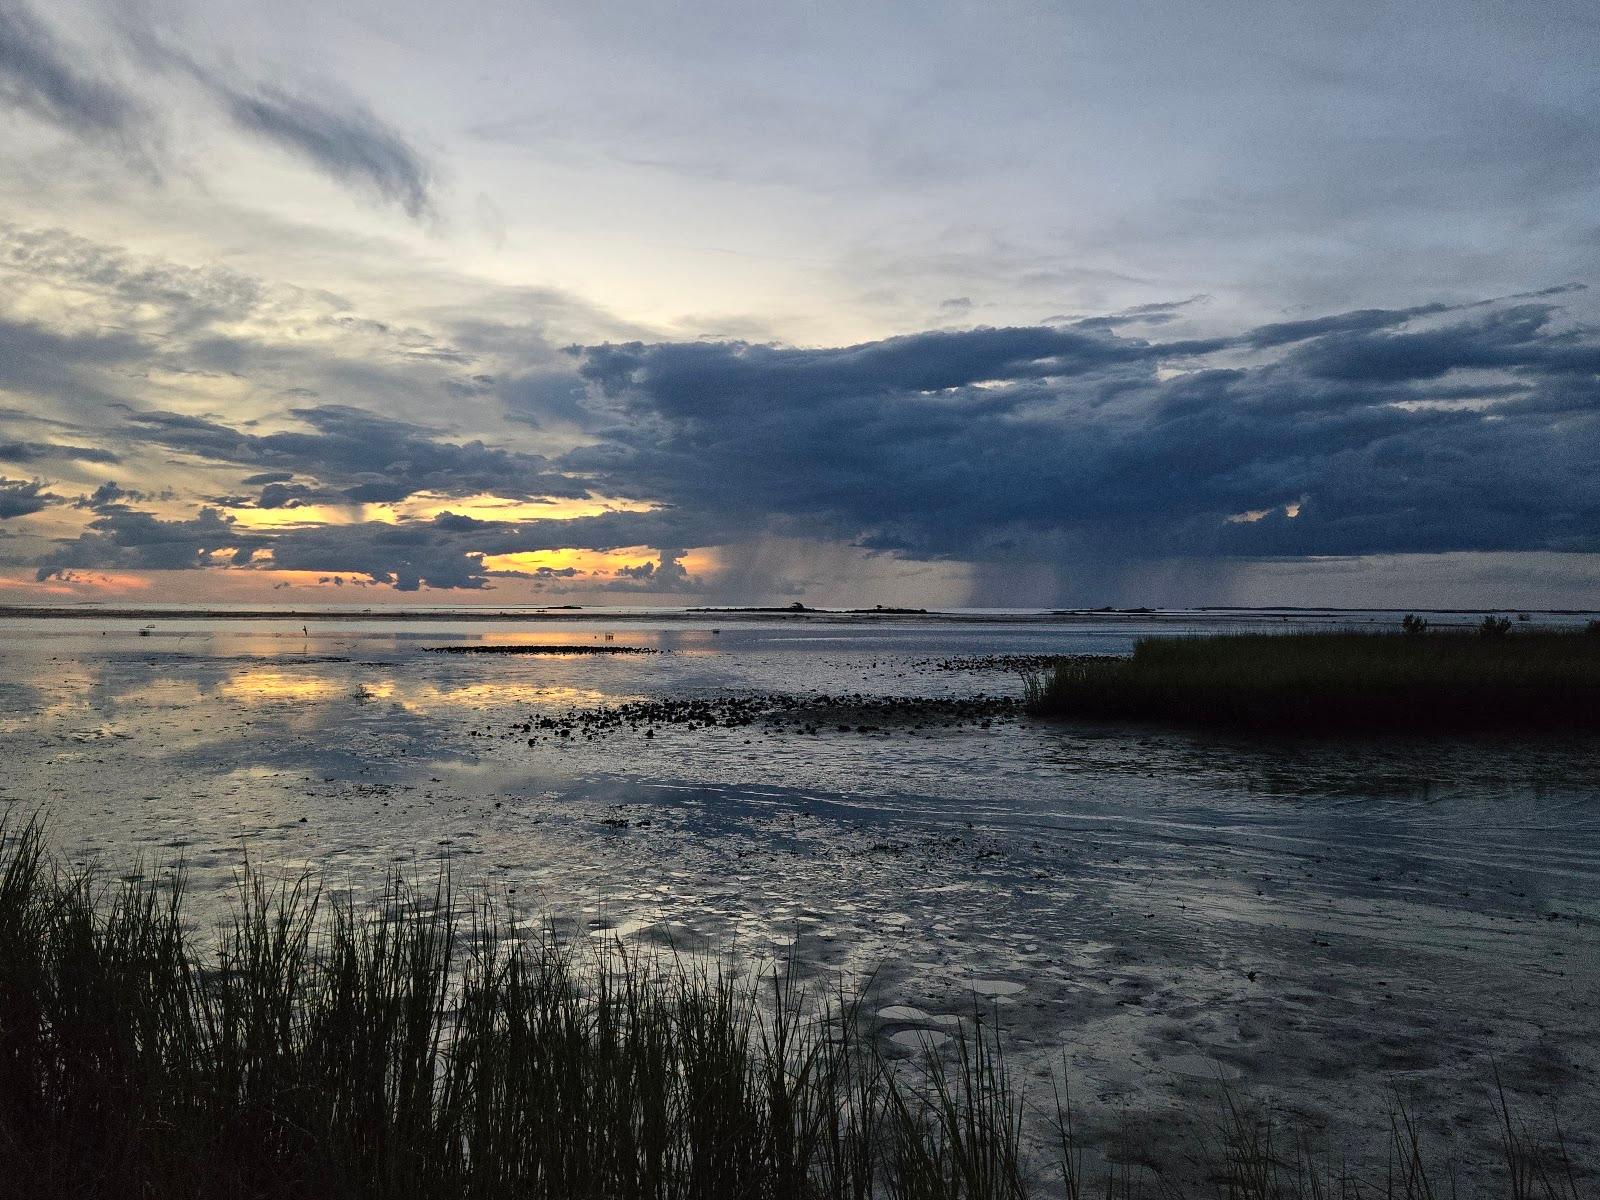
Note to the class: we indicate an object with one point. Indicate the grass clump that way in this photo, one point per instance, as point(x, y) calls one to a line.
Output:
point(1418, 679)
point(412, 1048)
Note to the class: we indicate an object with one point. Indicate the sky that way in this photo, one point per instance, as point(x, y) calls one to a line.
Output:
point(945, 304)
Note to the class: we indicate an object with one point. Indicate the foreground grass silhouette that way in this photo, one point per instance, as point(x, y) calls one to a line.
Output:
point(407, 1049)
point(1482, 680)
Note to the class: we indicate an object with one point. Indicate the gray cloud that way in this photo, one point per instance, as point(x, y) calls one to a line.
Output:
point(27, 452)
point(23, 497)
point(332, 131)
point(179, 299)
point(408, 556)
point(111, 496)
point(335, 134)
point(129, 539)
point(37, 359)
point(39, 75)
point(1421, 429)
point(357, 457)
point(344, 140)
point(666, 574)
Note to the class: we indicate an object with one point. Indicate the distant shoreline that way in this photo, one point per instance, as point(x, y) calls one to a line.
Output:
point(701, 615)
point(535, 616)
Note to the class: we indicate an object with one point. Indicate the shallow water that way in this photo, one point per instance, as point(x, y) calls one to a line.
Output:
point(1327, 921)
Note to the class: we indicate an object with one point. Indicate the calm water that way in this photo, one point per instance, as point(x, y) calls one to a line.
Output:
point(1325, 920)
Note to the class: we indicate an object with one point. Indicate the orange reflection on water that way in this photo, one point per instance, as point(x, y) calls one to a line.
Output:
point(432, 697)
point(265, 685)
point(568, 637)
point(261, 684)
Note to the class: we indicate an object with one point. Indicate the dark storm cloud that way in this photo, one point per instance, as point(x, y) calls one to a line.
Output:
point(23, 497)
point(1515, 337)
point(707, 379)
point(408, 556)
point(135, 540)
point(617, 530)
point(41, 76)
point(357, 457)
point(1380, 431)
point(1367, 320)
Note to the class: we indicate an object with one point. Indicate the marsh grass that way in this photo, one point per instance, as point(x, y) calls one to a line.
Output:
point(1487, 679)
point(412, 1046)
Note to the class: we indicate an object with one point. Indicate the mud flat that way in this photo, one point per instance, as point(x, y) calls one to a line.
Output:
point(1329, 926)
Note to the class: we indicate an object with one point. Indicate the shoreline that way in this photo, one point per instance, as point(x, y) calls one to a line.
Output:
point(705, 615)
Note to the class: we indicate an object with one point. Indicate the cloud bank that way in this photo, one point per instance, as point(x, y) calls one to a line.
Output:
point(1402, 430)
point(1081, 449)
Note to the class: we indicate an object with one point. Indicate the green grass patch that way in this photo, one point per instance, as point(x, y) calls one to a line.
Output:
point(1488, 679)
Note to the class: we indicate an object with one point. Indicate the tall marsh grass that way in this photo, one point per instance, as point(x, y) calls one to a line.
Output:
point(1486, 679)
point(412, 1047)
point(415, 1047)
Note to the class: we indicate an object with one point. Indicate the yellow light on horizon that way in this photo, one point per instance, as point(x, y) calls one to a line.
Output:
point(306, 514)
point(485, 506)
point(425, 506)
point(602, 563)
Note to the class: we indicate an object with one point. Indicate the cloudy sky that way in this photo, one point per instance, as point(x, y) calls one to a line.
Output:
point(944, 303)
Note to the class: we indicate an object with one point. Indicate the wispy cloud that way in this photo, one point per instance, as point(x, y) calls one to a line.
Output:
point(342, 139)
point(28, 452)
point(39, 75)
point(327, 129)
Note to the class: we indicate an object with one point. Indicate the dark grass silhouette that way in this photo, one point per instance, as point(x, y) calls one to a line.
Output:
point(1486, 679)
point(411, 1047)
